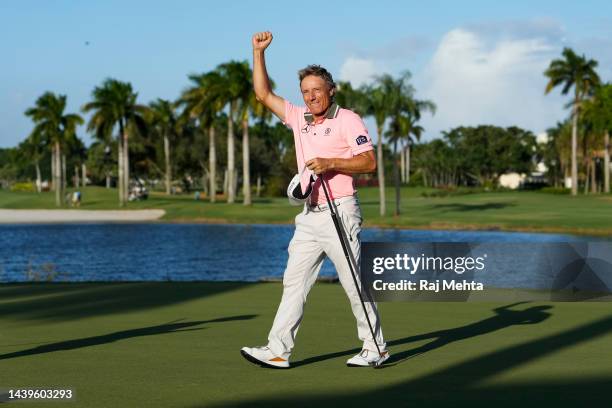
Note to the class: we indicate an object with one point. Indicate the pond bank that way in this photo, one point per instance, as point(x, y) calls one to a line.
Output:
point(10, 216)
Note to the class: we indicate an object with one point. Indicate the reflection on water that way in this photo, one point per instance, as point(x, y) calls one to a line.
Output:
point(153, 252)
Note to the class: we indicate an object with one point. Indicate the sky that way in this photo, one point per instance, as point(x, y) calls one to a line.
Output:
point(480, 62)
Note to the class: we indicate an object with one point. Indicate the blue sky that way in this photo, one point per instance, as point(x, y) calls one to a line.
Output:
point(479, 61)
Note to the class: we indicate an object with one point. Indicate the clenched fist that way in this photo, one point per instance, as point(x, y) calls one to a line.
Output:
point(262, 40)
point(320, 165)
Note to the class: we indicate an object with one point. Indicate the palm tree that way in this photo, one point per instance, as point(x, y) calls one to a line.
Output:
point(403, 127)
point(56, 128)
point(114, 104)
point(559, 146)
point(577, 72)
point(598, 111)
point(247, 104)
point(32, 148)
point(165, 120)
point(389, 97)
point(250, 106)
point(204, 101)
point(351, 98)
point(236, 88)
point(380, 101)
point(589, 140)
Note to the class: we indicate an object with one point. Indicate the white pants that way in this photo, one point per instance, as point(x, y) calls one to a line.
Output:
point(316, 237)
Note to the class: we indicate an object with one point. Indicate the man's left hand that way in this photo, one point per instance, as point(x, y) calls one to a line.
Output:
point(320, 165)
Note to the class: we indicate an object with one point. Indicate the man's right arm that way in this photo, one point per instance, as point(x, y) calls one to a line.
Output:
point(261, 82)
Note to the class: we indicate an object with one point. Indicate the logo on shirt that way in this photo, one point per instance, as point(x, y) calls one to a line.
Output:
point(327, 131)
point(306, 128)
point(361, 140)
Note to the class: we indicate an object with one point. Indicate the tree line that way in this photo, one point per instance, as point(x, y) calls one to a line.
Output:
point(188, 140)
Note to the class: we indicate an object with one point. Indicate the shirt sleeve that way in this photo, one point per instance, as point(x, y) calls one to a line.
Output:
point(292, 113)
point(356, 134)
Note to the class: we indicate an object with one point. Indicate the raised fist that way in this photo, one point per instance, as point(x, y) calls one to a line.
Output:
point(262, 40)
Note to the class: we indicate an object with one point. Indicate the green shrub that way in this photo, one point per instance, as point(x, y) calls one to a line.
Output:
point(275, 186)
point(23, 187)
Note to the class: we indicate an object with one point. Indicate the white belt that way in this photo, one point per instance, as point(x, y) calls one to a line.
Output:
point(325, 207)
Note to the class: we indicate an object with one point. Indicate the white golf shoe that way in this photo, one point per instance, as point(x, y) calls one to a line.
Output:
point(264, 357)
point(367, 358)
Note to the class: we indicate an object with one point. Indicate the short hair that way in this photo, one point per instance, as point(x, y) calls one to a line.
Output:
point(319, 71)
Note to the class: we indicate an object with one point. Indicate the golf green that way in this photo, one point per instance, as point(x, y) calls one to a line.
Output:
point(170, 344)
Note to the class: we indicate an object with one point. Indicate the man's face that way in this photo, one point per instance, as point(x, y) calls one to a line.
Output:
point(316, 93)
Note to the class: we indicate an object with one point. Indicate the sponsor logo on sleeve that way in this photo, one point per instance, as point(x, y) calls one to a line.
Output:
point(361, 139)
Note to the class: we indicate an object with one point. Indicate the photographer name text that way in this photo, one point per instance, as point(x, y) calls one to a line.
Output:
point(429, 286)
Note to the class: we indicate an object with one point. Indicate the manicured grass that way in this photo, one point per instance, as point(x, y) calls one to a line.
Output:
point(177, 345)
point(517, 210)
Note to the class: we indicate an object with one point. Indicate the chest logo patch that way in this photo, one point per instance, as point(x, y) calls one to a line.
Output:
point(327, 131)
point(361, 140)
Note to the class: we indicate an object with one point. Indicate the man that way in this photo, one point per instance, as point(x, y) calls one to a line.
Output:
point(332, 143)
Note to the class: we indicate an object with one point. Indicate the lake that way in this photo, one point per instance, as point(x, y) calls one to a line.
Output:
point(184, 252)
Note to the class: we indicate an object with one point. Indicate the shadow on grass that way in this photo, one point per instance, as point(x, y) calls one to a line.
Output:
point(172, 327)
point(64, 301)
point(471, 207)
point(504, 318)
point(465, 384)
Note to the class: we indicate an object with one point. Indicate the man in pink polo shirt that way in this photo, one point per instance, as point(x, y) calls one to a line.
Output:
point(331, 143)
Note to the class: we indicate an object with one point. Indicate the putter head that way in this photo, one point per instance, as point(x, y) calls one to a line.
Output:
point(376, 364)
point(379, 363)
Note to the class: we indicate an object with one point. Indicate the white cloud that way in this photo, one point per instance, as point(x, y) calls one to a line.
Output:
point(359, 71)
point(474, 80)
point(487, 73)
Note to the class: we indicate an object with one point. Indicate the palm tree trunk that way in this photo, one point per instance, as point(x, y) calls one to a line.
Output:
point(53, 164)
point(403, 165)
point(258, 190)
point(204, 177)
point(586, 178)
point(205, 182)
point(408, 164)
point(607, 162)
point(246, 165)
point(168, 169)
point(120, 179)
point(84, 175)
point(231, 166)
point(77, 181)
point(57, 177)
point(593, 177)
point(212, 163)
point(64, 182)
point(38, 177)
point(126, 165)
point(574, 148)
point(397, 179)
point(381, 173)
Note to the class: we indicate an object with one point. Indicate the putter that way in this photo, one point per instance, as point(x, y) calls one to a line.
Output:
point(349, 258)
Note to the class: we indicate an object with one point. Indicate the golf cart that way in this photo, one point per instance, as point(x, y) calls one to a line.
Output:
point(137, 190)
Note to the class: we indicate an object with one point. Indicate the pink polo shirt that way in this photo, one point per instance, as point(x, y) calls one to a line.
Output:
point(341, 134)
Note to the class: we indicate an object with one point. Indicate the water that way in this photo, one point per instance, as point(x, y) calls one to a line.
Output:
point(183, 252)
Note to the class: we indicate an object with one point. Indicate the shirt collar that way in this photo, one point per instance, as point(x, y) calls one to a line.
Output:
point(332, 112)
